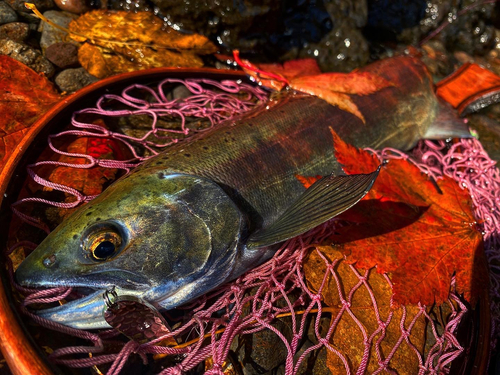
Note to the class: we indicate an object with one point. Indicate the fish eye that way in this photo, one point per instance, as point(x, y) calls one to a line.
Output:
point(102, 243)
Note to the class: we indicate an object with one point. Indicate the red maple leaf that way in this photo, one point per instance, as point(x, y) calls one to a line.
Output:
point(24, 96)
point(407, 228)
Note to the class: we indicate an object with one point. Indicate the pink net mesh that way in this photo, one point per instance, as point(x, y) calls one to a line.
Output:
point(381, 337)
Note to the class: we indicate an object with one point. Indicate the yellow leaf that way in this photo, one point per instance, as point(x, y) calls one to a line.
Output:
point(93, 61)
point(124, 42)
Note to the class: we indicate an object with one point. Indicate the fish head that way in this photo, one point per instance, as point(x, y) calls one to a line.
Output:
point(168, 237)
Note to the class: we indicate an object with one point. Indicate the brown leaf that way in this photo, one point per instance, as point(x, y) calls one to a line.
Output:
point(412, 231)
point(348, 335)
point(24, 96)
point(133, 41)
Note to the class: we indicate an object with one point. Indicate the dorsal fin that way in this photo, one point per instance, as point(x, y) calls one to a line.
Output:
point(326, 198)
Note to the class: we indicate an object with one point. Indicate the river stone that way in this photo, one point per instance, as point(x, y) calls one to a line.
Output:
point(50, 34)
point(16, 31)
point(27, 55)
point(63, 55)
point(344, 48)
point(263, 351)
point(7, 14)
point(41, 5)
point(71, 80)
point(72, 6)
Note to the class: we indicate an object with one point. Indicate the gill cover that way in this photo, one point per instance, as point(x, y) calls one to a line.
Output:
point(149, 234)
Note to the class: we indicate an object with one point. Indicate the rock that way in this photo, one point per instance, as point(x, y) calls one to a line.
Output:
point(63, 54)
point(16, 31)
point(7, 14)
point(50, 34)
point(27, 55)
point(41, 5)
point(71, 80)
point(344, 48)
point(73, 6)
point(263, 351)
point(315, 361)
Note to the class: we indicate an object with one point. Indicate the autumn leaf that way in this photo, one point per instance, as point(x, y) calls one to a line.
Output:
point(406, 228)
point(24, 96)
point(304, 76)
point(336, 88)
point(119, 41)
point(348, 337)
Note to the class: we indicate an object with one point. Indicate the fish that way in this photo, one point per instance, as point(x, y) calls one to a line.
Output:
point(207, 210)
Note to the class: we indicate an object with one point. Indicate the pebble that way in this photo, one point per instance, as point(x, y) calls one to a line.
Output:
point(16, 31)
point(73, 6)
point(263, 351)
point(27, 55)
point(71, 80)
point(63, 55)
point(50, 34)
point(41, 5)
point(7, 14)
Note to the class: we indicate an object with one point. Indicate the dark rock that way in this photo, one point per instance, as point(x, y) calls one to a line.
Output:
point(263, 351)
point(41, 5)
point(50, 34)
point(470, 32)
point(315, 361)
point(7, 14)
point(71, 80)
point(73, 6)
point(16, 31)
point(27, 55)
point(344, 48)
point(131, 5)
point(263, 27)
point(64, 55)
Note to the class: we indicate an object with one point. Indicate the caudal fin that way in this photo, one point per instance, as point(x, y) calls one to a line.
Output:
point(447, 125)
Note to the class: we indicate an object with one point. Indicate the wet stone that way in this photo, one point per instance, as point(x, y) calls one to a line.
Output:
point(16, 31)
point(51, 35)
point(344, 48)
point(27, 55)
point(315, 361)
point(72, 6)
point(41, 5)
point(263, 351)
point(64, 55)
point(71, 80)
point(7, 14)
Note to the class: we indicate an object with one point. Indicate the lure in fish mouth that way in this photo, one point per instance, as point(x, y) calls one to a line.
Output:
point(169, 243)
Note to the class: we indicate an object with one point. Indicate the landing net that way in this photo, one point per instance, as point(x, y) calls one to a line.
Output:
point(272, 303)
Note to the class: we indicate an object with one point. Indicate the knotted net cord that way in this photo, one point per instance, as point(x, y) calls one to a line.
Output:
point(277, 288)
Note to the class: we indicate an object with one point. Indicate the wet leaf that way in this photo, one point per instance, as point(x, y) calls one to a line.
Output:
point(336, 88)
point(406, 228)
point(124, 41)
point(348, 336)
point(24, 96)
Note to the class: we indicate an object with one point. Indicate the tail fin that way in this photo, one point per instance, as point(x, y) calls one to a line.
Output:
point(447, 125)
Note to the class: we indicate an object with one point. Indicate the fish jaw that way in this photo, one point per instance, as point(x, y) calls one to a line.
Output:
point(175, 233)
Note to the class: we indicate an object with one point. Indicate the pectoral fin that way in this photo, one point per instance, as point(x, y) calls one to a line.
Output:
point(326, 198)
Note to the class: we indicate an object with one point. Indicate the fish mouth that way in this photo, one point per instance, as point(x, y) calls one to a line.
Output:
point(86, 311)
point(82, 313)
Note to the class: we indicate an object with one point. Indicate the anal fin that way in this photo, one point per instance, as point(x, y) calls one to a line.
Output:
point(325, 199)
